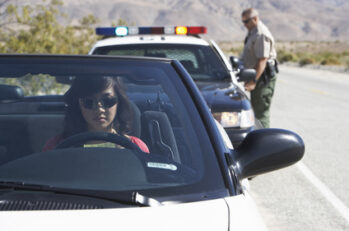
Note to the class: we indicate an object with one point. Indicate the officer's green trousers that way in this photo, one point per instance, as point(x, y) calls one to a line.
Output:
point(261, 98)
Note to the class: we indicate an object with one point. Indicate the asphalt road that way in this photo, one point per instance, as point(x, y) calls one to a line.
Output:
point(313, 194)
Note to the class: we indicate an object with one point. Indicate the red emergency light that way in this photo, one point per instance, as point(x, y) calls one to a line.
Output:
point(197, 30)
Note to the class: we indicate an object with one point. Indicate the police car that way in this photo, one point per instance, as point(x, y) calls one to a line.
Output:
point(204, 60)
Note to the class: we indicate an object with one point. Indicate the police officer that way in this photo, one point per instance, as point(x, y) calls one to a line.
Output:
point(259, 53)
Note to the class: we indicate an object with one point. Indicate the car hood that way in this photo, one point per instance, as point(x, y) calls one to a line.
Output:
point(223, 96)
point(204, 215)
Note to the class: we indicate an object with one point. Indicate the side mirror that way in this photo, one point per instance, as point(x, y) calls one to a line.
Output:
point(266, 150)
point(247, 75)
point(243, 75)
point(235, 62)
point(8, 92)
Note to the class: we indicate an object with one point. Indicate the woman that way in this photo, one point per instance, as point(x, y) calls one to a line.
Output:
point(97, 104)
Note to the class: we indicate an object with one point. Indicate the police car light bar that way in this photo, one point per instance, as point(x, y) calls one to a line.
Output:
point(124, 31)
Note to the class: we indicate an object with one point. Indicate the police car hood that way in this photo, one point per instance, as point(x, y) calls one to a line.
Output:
point(204, 215)
point(221, 96)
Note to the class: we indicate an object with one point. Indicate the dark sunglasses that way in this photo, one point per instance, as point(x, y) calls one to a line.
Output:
point(246, 21)
point(92, 103)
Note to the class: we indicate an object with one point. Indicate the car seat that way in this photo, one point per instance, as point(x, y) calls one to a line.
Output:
point(156, 54)
point(188, 64)
point(24, 134)
point(136, 125)
point(157, 132)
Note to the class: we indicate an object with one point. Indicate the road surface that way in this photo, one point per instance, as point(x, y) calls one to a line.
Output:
point(314, 194)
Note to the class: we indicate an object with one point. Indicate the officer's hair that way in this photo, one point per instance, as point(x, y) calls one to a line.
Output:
point(250, 12)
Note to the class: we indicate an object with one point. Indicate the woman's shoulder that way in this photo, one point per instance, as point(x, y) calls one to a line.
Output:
point(139, 143)
point(52, 142)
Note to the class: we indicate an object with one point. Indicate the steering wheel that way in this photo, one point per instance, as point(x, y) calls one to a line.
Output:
point(84, 137)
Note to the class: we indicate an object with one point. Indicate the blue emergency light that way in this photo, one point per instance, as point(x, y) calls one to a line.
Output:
point(120, 31)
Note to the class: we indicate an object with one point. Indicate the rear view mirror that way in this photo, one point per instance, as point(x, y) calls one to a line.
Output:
point(9, 92)
point(65, 79)
point(235, 62)
point(266, 150)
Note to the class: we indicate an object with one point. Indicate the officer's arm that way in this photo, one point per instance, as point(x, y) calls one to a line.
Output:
point(261, 64)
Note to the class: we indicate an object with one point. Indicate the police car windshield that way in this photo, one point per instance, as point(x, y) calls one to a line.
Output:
point(202, 63)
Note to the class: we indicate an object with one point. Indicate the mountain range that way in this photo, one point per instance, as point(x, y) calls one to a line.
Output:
point(296, 20)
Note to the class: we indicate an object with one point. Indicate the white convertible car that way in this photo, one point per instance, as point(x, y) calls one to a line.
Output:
point(141, 152)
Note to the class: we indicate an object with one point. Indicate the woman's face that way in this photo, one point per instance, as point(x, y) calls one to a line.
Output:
point(99, 110)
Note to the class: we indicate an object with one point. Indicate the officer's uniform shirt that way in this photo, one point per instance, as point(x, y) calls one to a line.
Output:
point(259, 43)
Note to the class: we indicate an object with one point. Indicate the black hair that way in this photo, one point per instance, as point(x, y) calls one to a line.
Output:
point(88, 86)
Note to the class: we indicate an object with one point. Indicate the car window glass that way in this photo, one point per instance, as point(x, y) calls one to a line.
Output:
point(200, 61)
point(162, 116)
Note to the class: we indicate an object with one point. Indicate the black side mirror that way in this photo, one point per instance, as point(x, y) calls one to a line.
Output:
point(243, 75)
point(266, 150)
point(247, 75)
point(8, 92)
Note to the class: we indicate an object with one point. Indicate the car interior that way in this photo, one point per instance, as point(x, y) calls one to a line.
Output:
point(26, 123)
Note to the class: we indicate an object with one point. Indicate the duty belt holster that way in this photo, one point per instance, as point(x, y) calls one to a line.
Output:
point(263, 80)
point(270, 71)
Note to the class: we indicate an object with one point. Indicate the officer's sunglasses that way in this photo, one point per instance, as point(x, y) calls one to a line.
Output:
point(246, 21)
point(93, 103)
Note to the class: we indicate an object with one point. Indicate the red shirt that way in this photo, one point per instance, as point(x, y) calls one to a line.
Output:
point(52, 143)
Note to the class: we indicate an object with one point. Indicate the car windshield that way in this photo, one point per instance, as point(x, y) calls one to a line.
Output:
point(202, 63)
point(103, 124)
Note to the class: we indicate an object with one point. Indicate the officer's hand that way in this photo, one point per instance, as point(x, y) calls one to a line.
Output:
point(250, 86)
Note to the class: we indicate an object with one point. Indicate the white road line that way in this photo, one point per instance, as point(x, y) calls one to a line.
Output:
point(326, 192)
